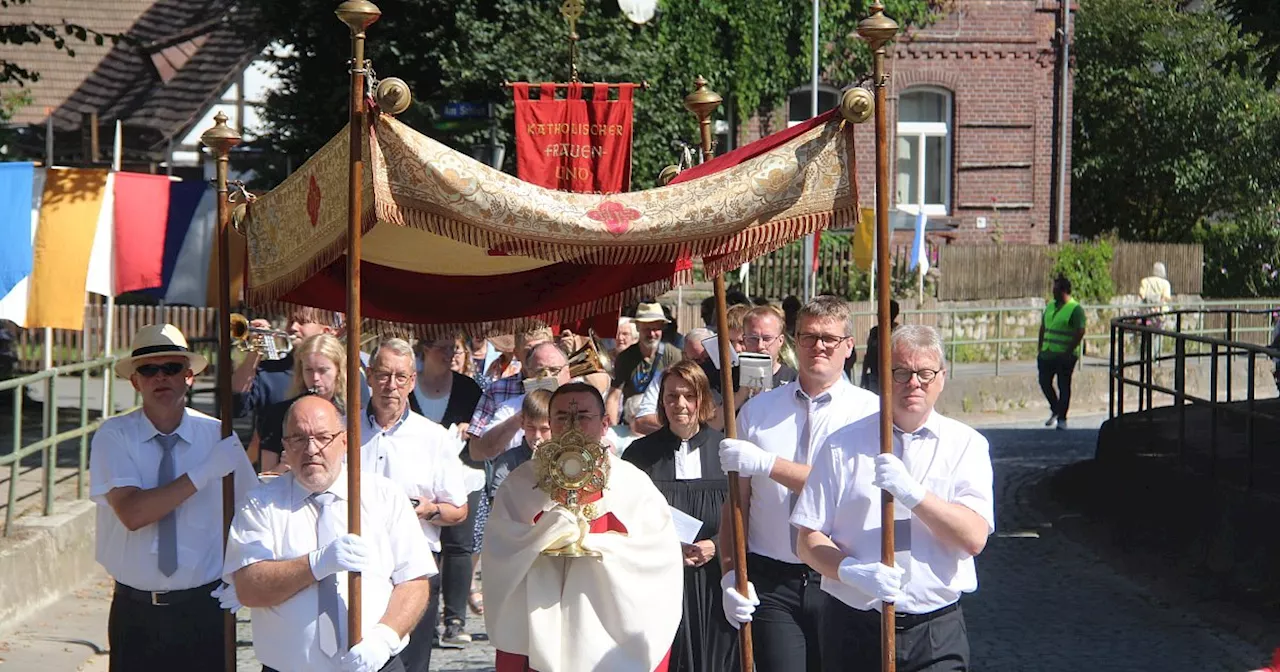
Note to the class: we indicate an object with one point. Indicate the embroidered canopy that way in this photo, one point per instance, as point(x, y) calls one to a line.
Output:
point(449, 241)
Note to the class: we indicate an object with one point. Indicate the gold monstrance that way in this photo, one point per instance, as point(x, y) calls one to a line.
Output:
point(570, 468)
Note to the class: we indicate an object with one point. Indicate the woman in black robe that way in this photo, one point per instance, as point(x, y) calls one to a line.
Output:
point(683, 460)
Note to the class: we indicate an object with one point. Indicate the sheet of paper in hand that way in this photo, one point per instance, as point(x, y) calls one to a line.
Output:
point(756, 370)
point(687, 527)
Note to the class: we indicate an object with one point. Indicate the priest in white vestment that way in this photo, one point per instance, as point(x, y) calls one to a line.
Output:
point(614, 613)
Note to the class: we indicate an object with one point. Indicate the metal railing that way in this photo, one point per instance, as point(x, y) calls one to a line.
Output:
point(1224, 408)
point(47, 446)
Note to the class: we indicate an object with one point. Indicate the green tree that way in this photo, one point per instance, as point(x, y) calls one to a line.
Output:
point(751, 52)
point(1175, 125)
point(1260, 18)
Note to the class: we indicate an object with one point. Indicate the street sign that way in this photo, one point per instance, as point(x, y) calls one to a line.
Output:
point(464, 109)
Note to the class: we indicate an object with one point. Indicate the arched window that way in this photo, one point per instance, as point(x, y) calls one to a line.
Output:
point(800, 103)
point(924, 151)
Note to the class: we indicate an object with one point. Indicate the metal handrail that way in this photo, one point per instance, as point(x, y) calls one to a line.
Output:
point(48, 444)
point(1217, 347)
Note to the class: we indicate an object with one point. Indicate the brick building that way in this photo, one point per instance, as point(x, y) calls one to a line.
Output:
point(973, 103)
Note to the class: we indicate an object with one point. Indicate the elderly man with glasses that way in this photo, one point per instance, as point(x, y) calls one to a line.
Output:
point(939, 474)
point(289, 553)
point(780, 431)
point(422, 458)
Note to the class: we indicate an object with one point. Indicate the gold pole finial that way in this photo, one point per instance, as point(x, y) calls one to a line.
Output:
point(572, 10)
point(221, 138)
point(877, 29)
point(703, 103)
point(358, 14)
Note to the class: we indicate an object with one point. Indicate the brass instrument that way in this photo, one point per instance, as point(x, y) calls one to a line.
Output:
point(270, 343)
point(588, 359)
point(570, 468)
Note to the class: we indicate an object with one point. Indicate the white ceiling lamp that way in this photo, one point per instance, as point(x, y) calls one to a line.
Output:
point(639, 11)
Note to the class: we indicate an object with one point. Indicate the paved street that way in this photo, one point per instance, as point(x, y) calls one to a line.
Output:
point(1045, 604)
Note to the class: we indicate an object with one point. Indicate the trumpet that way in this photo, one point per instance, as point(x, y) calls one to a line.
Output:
point(270, 343)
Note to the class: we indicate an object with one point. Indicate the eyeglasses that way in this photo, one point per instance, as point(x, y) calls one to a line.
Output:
point(926, 376)
point(828, 340)
point(547, 371)
point(384, 377)
point(301, 441)
point(168, 369)
point(756, 341)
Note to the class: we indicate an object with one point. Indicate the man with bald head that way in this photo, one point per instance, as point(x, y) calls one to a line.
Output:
point(289, 553)
point(545, 366)
point(616, 612)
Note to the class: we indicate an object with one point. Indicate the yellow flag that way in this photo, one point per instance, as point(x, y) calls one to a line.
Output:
point(864, 239)
point(68, 219)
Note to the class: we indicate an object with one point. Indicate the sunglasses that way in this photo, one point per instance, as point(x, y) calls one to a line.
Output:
point(168, 369)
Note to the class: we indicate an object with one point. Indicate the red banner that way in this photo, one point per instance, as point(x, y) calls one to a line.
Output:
point(573, 144)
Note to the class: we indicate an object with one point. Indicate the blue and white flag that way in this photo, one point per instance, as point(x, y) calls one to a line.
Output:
point(919, 250)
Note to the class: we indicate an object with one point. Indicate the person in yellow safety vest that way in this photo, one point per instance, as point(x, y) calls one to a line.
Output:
point(1061, 331)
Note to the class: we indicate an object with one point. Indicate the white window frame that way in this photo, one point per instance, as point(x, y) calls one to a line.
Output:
point(822, 88)
point(921, 130)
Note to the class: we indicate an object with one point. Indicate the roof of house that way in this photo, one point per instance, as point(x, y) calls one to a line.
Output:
point(181, 56)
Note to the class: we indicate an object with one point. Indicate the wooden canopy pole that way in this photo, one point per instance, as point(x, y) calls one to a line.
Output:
point(358, 15)
point(221, 138)
point(878, 30)
point(702, 103)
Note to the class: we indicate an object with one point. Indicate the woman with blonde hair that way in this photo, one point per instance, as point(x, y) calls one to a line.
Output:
point(320, 369)
point(683, 461)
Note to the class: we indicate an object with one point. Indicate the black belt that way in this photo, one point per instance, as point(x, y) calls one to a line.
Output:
point(776, 567)
point(166, 598)
point(903, 621)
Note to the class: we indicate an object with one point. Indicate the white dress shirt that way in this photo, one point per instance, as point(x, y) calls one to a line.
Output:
point(775, 421)
point(125, 454)
point(688, 462)
point(951, 459)
point(421, 457)
point(278, 522)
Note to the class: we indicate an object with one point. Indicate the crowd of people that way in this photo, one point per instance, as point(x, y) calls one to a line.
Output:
point(449, 431)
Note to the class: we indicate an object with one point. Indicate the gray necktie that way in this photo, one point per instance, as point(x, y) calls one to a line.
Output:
point(333, 615)
point(806, 437)
point(332, 621)
point(167, 545)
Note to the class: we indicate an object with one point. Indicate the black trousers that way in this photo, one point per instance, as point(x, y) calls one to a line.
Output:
point(417, 655)
point(185, 636)
point(458, 543)
point(937, 642)
point(787, 625)
point(393, 665)
point(1061, 368)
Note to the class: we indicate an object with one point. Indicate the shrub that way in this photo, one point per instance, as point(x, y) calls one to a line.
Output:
point(1088, 266)
point(1242, 257)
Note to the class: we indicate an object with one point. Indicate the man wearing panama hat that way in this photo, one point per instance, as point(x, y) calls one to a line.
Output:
point(155, 475)
point(639, 365)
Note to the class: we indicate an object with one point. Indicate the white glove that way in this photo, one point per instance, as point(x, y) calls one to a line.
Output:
point(227, 598)
point(348, 553)
point(563, 528)
point(745, 457)
point(873, 578)
point(373, 652)
point(737, 609)
point(223, 459)
point(892, 476)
